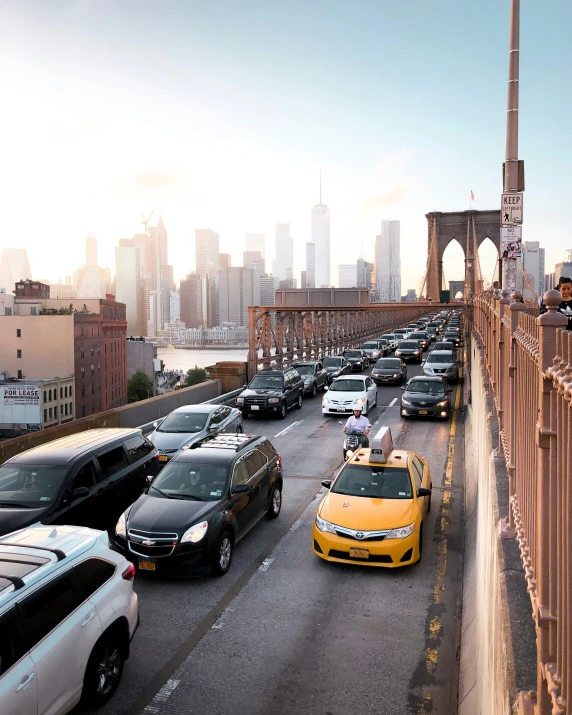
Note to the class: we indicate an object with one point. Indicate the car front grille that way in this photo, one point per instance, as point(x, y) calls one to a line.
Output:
point(373, 558)
point(367, 535)
point(255, 400)
point(151, 544)
point(423, 405)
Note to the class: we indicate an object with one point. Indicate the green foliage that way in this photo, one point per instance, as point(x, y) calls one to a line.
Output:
point(195, 375)
point(139, 387)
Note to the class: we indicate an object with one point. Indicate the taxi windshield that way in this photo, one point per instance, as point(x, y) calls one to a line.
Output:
point(374, 481)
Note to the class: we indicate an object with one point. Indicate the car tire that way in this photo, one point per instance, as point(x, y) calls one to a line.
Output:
point(275, 503)
point(103, 671)
point(429, 504)
point(245, 415)
point(222, 557)
point(283, 411)
point(365, 410)
point(300, 401)
point(314, 390)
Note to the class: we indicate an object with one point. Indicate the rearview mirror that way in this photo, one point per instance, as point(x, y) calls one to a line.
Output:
point(80, 492)
point(422, 492)
point(327, 483)
point(240, 489)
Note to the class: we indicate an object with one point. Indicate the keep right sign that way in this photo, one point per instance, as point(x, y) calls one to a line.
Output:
point(511, 209)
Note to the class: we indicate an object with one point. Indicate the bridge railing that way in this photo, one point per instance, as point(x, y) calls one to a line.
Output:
point(529, 364)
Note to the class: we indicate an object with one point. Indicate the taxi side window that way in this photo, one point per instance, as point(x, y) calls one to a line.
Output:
point(417, 472)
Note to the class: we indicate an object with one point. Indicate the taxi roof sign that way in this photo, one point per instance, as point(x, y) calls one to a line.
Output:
point(381, 446)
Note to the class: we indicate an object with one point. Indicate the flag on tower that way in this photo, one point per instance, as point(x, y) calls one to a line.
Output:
point(472, 196)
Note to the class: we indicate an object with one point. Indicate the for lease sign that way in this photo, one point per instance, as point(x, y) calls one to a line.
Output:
point(21, 395)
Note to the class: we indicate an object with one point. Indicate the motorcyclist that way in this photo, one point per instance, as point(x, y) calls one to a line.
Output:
point(359, 423)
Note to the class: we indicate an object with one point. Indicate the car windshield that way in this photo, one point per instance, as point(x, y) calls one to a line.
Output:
point(369, 346)
point(267, 382)
point(30, 486)
point(342, 385)
point(305, 369)
point(388, 364)
point(444, 345)
point(390, 336)
point(184, 422)
point(189, 480)
point(425, 387)
point(332, 362)
point(375, 482)
point(421, 335)
point(440, 357)
point(352, 353)
point(409, 345)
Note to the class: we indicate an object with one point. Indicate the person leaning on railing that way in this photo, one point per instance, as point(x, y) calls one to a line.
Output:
point(565, 307)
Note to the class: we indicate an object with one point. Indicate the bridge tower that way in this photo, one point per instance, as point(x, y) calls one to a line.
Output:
point(469, 229)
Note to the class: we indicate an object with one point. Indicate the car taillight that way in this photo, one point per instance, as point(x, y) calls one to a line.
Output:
point(129, 573)
point(279, 460)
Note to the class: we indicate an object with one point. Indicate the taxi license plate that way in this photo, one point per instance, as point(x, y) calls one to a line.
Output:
point(147, 566)
point(163, 458)
point(254, 407)
point(422, 412)
point(359, 553)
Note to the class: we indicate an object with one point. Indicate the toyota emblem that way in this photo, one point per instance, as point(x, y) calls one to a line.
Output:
point(359, 534)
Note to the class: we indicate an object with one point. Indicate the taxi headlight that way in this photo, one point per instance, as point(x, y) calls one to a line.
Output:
point(401, 533)
point(324, 525)
point(195, 533)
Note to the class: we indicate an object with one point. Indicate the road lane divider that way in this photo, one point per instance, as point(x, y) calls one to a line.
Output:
point(287, 429)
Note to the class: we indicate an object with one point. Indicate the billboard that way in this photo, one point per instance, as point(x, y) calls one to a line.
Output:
point(21, 395)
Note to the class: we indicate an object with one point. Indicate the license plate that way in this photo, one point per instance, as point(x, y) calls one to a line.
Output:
point(359, 553)
point(163, 458)
point(150, 566)
point(254, 407)
point(422, 412)
point(340, 409)
point(385, 379)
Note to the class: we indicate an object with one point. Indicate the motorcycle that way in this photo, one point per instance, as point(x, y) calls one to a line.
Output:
point(354, 440)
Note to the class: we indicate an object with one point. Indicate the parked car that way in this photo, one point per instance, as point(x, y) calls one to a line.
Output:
point(374, 349)
point(441, 362)
point(68, 613)
point(86, 479)
point(347, 390)
point(426, 397)
point(190, 423)
point(390, 371)
point(314, 375)
point(409, 350)
point(272, 391)
point(336, 366)
point(357, 359)
point(203, 502)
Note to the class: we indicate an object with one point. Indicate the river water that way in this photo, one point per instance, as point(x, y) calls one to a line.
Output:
point(186, 359)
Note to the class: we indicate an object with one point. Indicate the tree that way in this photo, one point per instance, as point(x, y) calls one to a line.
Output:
point(195, 375)
point(139, 387)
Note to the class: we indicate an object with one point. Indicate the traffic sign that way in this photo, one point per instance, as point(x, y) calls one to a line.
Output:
point(511, 209)
point(511, 242)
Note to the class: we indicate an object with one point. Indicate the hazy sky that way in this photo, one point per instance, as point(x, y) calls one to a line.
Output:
point(221, 114)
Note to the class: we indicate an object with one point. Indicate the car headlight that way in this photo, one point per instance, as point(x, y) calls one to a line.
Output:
point(442, 403)
point(416, 352)
point(273, 400)
point(324, 525)
point(240, 400)
point(396, 374)
point(360, 399)
point(307, 380)
point(121, 526)
point(195, 533)
point(375, 353)
point(398, 352)
point(405, 402)
point(401, 533)
point(325, 401)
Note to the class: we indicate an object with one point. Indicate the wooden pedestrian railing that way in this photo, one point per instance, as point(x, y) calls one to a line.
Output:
point(529, 365)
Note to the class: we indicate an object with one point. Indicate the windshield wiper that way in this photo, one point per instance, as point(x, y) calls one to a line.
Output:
point(189, 496)
point(162, 492)
point(16, 503)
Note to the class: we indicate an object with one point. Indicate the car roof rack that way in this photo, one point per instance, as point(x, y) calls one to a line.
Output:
point(234, 442)
point(58, 552)
point(16, 581)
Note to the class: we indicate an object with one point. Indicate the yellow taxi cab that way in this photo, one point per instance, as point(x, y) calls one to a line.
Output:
point(373, 512)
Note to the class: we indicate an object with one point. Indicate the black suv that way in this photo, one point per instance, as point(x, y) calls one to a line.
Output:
point(314, 375)
point(273, 390)
point(86, 479)
point(201, 504)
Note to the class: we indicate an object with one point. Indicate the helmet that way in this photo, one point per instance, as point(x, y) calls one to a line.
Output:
point(357, 406)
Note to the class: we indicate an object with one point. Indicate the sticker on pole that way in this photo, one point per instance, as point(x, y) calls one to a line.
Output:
point(511, 242)
point(511, 209)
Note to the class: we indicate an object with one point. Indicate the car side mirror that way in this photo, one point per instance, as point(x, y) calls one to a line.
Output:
point(149, 478)
point(240, 489)
point(422, 492)
point(212, 427)
point(403, 387)
point(327, 483)
point(449, 389)
point(156, 424)
point(79, 493)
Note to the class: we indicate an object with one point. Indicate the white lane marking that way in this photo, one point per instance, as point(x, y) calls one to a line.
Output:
point(161, 696)
point(265, 564)
point(287, 429)
point(392, 402)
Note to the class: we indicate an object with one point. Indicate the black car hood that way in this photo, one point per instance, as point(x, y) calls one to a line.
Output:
point(261, 391)
point(151, 513)
point(334, 369)
point(12, 519)
point(353, 359)
point(385, 370)
point(429, 399)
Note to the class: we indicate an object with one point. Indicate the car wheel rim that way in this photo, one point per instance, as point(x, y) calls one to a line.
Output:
point(314, 391)
point(299, 400)
point(224, 553)
point(283, 410)
point(108, 671)
point(276, 500)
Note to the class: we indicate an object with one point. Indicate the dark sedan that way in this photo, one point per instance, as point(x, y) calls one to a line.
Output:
point(357, 359)
point(426, 397)
point(409, 350)
point(336, 366)
point(389, 371)
point(453, 337)
point(423, 338)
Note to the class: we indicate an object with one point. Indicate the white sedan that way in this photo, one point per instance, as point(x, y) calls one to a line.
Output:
point(346, 390)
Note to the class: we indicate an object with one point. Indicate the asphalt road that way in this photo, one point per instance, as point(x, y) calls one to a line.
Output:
point(284, 633)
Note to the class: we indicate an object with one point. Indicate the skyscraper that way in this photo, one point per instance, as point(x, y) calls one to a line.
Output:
point(91, 281)
point(310, 265)
point(530, 272)
point(388, 262)
point(347, 276)
point(127, 271)
point(321, 239)
point(364, 273)
point(268, 287)
point(206, 251)
point(253, 260)
point(90, 250)
point(14, 267)
point(255, 242)
point(283, 252)
point(239, 288)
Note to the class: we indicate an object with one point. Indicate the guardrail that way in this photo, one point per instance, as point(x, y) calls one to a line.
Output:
point(529, 364)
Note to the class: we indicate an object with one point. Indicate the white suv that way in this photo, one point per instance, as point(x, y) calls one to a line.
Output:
point(67, 615)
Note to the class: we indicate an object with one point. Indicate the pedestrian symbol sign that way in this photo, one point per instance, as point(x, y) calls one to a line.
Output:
point(511, 209)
